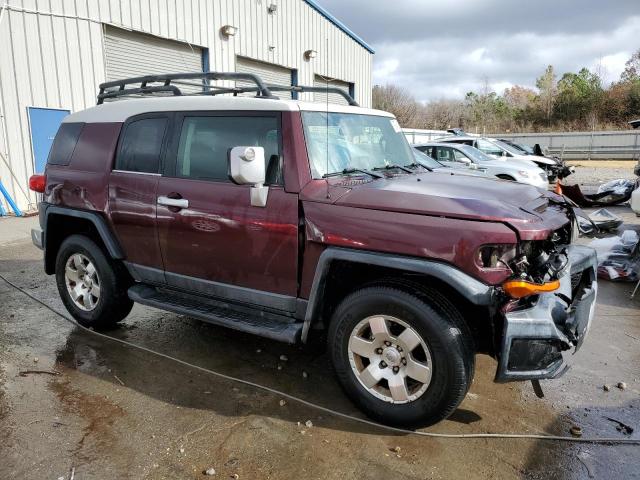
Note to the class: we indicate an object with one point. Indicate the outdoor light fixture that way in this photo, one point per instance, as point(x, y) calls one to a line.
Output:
point(272, 8)
point(229, 30)
point(309, 54)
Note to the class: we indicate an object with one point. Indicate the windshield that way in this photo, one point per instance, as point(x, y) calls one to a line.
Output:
point(353, 141)
point(425, 160)
point(475, 154)
point(525, 148)
point(508, 148)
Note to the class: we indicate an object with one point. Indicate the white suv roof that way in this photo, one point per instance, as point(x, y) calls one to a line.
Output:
point(119, 111)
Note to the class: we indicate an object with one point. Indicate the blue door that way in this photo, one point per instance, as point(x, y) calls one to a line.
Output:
point(44, 123)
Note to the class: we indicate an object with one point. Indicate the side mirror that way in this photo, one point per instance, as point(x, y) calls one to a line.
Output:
point(247, 167)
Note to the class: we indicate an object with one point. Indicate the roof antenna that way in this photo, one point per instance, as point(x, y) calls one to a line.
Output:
point(326, 81)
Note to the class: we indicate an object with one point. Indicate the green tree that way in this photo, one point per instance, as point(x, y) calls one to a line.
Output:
point(579, 97)
point(548, 89)
point(631, 71)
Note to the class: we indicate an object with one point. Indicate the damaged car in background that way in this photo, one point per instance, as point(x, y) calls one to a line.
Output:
point(456, 155)
point(493, 147)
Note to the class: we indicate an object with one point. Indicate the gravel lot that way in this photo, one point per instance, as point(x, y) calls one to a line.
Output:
point(103, 410)
point(591, 173)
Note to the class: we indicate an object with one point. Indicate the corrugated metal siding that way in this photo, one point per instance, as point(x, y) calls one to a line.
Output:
point(320, 81)
point(270, 74)
point(52, 54)
point(132, 54)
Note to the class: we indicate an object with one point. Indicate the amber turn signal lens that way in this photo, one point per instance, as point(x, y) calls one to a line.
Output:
point(521, 288)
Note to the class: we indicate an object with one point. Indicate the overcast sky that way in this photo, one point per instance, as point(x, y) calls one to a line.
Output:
point(443, 49)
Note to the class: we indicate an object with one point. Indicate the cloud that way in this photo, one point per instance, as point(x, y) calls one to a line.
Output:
point(445, 49)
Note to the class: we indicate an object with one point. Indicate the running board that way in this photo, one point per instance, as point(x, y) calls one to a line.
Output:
point(254, 321)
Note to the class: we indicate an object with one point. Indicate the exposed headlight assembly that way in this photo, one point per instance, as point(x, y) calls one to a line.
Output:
point(496, 256)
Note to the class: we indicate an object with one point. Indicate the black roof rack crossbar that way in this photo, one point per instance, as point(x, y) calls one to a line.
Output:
point(142, 86)
point(305, 88)
point(134, 91)
point(171, 80)
point(293, 88)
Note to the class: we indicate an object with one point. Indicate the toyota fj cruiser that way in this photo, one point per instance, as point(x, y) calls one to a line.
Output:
point(287, 219)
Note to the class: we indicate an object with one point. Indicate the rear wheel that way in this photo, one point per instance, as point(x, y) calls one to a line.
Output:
point(92, 286)
point(506, 177)
point(404, 360)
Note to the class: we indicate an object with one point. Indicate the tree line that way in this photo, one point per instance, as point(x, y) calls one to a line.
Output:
point(572, 102)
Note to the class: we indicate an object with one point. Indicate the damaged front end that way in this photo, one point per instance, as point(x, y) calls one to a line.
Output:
point(549, 304)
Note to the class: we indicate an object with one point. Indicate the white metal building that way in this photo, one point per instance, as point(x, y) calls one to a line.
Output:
point(54, 53)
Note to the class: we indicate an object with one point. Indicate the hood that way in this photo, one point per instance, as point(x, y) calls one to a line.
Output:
point(514, 164)
point(524, 207)
point(537, 159)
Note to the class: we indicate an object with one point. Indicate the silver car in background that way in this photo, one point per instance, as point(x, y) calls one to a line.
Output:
point(498, 149)
point(457, 155)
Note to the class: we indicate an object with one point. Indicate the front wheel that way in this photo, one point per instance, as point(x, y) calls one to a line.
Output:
point(405, 360)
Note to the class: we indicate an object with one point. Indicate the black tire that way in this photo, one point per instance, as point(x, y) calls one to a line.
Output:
point(113, 304)
point(440, 326)
point(506, 177)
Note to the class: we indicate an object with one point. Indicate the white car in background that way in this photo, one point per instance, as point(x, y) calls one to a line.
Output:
point(461, 155)
point(499, 149)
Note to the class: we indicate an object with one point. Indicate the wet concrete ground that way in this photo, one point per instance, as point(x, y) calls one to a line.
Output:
point(110, 411)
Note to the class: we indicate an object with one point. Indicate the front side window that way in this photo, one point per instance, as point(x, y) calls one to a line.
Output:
point(205, 142)
point(460, 157)
point(445, 154)
point(342, 141)
point(141, 146)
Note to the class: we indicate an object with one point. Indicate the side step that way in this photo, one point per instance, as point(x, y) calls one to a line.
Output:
point(257, 322)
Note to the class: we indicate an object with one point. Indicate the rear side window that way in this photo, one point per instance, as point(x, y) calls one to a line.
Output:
point(65, 143)
point(141, 146)
point(205, 142)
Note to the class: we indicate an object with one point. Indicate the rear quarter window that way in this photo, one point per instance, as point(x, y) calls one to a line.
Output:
point(65, 143)
point(141, 145)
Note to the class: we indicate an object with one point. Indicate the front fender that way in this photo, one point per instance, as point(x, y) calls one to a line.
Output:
point(473, 290)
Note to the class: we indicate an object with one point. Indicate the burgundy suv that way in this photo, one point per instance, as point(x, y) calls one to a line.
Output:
point(289, 219)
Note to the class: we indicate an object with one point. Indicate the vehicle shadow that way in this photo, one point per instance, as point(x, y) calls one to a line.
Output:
point(302, 372)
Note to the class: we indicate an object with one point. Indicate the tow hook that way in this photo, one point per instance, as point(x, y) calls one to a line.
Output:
point(537, 388)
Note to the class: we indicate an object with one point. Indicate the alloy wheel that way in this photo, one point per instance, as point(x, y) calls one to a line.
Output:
point(83, 282)
point(390, 359)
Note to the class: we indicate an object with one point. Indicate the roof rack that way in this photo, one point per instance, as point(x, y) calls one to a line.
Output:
point(305, 88)
point(170, 83)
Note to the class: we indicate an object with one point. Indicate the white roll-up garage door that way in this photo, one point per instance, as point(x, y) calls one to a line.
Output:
point(320, 81)
point(133, 54)
point(271, 74)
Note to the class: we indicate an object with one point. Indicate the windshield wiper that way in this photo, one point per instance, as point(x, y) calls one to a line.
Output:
point(416, 164)
point(348, 171)
point(393, 165)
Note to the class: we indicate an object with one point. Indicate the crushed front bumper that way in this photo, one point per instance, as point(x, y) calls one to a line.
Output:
point(534, 338)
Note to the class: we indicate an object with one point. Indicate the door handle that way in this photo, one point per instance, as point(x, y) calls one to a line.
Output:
point(173, 202)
